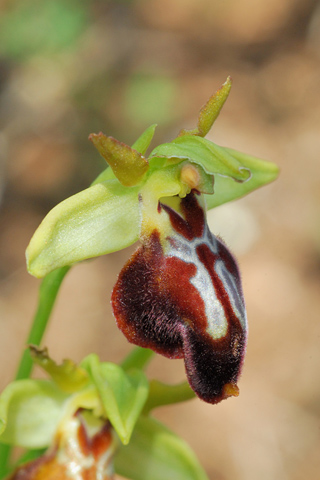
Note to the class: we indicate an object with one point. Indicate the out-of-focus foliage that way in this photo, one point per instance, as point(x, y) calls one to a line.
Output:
point(155, 93)
point(41, 27)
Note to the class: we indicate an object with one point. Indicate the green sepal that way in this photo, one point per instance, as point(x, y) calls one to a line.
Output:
point(30, 411)
point(163, 394)
point(212, 158)
point(128, 165)
point(156, 453)
point(210, 111)
point(123, 394)
point(225, 189)
point(68, 376)
point(101, 219)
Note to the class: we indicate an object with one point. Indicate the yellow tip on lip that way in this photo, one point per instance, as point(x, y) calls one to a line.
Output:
point(231, 390)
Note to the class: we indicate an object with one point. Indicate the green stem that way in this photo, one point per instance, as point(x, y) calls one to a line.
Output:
point(162, 394)
point(47, 295)
point(5, 451)
point(138, 358)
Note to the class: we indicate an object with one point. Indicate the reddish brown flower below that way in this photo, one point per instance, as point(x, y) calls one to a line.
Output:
point(74, 456)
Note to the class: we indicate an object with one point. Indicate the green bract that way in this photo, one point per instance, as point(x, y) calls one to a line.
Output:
point(156, 453)
point(122, 394)
point(107, 216)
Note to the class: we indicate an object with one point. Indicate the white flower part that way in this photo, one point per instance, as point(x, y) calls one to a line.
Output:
point(186, 250)
point(104, 466)
point(71, 456)
point(74, 459)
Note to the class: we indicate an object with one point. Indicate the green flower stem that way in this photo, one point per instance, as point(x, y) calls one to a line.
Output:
point(5, 451)
point(162, 394)
point(47, 295)
point(138, 358)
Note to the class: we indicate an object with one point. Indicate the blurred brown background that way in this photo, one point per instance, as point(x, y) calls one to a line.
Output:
point(69, 68)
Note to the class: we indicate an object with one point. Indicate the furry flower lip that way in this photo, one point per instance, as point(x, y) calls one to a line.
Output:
point(180, 295)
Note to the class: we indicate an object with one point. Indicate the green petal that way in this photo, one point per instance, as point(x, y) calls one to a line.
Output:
point(30, 411)
point(210, 111)
point(128, 165)
point(141, 145)
point(101, 219)
point(123, 394)
point(226, 189)
point(213, 159)
point(155, 453)
point(143, 142)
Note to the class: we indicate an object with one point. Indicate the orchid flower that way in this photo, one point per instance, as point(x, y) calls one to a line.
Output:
point(89, 420)
point(180, 293)
point(73, 455)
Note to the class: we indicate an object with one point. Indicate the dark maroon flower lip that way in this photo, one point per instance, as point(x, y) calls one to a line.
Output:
point(181, 296)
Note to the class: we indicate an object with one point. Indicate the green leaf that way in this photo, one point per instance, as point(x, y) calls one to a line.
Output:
point(123, 394)
point(225, 189)
point(101, 219)
point(30, 411)
point(212, 158)
point(128, 165)
point(156, 453)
